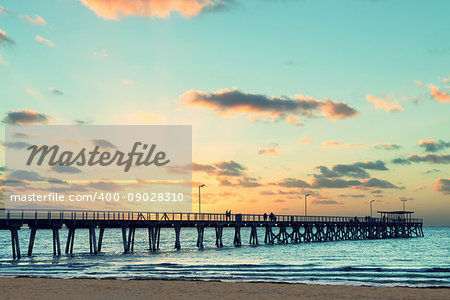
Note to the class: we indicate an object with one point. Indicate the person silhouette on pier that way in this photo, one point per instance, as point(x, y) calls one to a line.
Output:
point(228, 215)
point(265, 216)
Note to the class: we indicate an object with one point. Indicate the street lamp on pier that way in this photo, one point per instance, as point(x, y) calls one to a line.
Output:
point(305, 205)
point(371, 207)
point(404, 200)
point(200, 198)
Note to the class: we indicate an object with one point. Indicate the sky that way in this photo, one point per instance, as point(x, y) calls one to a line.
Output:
point(347, 101)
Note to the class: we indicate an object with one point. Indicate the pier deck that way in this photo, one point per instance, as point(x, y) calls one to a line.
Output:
point(278, 230)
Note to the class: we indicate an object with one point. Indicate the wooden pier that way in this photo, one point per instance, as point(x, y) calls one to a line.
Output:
point(280, 229)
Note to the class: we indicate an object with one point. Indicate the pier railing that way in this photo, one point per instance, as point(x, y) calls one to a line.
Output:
point(64, 215)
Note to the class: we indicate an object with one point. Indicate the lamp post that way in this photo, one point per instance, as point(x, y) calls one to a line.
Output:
point(371, 207)
point(305, 204)
point(200, 199)
point(403, 200)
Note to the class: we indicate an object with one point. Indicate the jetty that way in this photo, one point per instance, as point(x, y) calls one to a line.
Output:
point(279, 229)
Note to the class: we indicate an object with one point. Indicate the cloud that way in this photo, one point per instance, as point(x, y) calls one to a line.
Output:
point(225, 169)
point(26, 117)
point(65, 169)
point(267, 193)
point(442, 185)
point(353, 196)
point(17, 145)
point(101, 53)
point(320, 182)
point(386, 146)
point(26, 175)
point(127, 81)
point(372, 165)
point(438, 95)
point(306, 140)
point(116, 9)
point(279, 200)
point(230, 168)
point(333, 144)
point(102, 143)
point(37, 20)
point(293, 120)
point(56, 181)
point(377, 183)
point(445, 80)
point(203, 168)
point(56, 92)
point(339, 144)
point(4, 10)
point(23, 135)
point(108, 186)
point(293, 183)
point(433, 146)
point(248, 182)
point(4, 39)
point(82, 122)
point(355, 170)
point(350, 171)
point(383, 104)
point(45, 41)
point(430, 158)
point(271, 150)
point(325, 202)
point(432, 171)
point(229, 102)
point(21, 177)
point(420, 187)
point(334, 110)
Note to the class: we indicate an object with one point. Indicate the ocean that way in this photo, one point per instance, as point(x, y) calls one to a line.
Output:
point(413, 262)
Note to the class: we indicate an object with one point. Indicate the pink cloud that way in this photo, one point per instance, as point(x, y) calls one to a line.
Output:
point(306, 140)
point(26, 117)
point(332, 144)
point(420, 187)
point(257, 106)
point(37, 20)
point(442, 185)
point(116, 9)
point(383, 104)
point(45, 41)
point(293, 120)
point(338, 144)
point(438, 95)
point(268, 151)
point(335, 110)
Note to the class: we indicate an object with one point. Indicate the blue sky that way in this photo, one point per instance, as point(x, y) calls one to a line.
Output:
point(135, 69)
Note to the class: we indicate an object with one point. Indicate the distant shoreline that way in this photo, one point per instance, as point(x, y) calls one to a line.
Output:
point(54, 288)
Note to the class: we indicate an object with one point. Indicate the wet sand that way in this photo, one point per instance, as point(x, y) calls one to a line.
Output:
point(45, 288)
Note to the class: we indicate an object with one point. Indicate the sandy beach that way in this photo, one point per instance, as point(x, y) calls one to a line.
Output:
point(43, 288)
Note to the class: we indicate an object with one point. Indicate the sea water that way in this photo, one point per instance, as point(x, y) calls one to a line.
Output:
point(414, 262)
